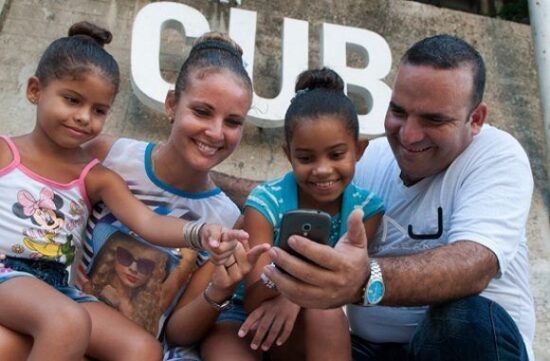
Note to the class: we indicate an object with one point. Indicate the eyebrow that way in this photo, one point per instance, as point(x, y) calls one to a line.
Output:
point(333, 147)
point(439, 116)
point(72, 91)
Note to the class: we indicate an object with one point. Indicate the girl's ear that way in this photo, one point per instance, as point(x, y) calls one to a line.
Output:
point(33, 90)
point(360, 148)
point(170, 104)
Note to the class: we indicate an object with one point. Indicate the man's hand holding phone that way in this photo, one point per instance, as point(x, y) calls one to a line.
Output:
point(308, 223)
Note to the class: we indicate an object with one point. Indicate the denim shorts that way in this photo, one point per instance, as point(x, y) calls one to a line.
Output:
point(180, 353)
point(236, 313)
point(53, 273)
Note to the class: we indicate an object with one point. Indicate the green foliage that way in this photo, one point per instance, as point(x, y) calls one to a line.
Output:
point(514, 10)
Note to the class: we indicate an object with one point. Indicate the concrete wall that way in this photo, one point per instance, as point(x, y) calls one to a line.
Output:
point(28, 26)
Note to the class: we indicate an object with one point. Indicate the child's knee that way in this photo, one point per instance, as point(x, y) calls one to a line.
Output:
point(73, 321)
point(143, 347)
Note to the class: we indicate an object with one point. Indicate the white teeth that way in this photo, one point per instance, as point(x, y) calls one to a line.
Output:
point(205, 148)
point(327, 184)
point(417, 150)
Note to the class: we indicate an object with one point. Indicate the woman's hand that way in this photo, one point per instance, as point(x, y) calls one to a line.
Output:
point(273, 321)
point(220, 242)
point(227, 276)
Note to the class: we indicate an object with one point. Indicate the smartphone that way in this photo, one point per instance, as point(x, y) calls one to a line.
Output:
point(309, 223)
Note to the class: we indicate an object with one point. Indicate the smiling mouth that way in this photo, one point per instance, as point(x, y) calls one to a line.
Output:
point(206, 149)
point(416, 150)
point(77, 130)
point(324, 185)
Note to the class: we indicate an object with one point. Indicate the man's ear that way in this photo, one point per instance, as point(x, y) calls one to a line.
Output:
point(362, 144)
point(170, 104)
point(477, 118)
point(33, 90)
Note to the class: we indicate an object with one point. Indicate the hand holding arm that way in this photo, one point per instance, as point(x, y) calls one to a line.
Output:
point(220, 242)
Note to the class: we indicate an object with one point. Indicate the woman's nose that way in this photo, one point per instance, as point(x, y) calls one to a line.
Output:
point(215, 130)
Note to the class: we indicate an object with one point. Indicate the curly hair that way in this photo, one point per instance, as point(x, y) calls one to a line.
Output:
point(145, 299)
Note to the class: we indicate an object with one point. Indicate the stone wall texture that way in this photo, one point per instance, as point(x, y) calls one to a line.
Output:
point(28, 26)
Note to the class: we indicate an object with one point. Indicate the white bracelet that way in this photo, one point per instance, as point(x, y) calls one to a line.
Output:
point(191, 235)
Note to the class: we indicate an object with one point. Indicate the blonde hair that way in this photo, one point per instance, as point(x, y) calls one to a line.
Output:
point(145, 299)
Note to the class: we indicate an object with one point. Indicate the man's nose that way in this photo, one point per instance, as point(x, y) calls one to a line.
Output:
point(411, 131)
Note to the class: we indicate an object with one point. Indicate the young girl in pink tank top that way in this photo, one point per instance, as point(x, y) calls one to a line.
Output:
point(49, 183)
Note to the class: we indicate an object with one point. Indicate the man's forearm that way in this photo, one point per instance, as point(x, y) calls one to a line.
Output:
point(236, 188)
point(442, 274)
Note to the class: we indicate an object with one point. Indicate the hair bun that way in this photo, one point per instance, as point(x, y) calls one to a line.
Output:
point(220, 41)
point(323, 78)
point(99, 35)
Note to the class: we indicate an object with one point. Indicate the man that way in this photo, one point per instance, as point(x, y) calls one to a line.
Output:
point(457, 194)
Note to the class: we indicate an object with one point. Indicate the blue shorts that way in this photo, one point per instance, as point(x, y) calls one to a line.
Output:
point(180, 353)
point(53, 273)
point(236, 313)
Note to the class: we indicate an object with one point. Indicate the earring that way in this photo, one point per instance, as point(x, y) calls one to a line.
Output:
point(171, 119)
point(32, 100)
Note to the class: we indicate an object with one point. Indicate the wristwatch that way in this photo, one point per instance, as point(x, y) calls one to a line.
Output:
point(374, 289)
point(225, 305)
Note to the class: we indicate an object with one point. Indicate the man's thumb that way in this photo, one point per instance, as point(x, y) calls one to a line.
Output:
point(356, 229)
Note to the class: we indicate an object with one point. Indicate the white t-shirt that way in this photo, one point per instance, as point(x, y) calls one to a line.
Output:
point(131, 159)
point(484, 197)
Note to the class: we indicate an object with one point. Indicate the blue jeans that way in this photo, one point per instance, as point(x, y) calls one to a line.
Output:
point(53, 273)
point(470, 329)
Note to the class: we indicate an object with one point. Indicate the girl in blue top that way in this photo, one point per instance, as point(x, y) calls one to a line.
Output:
point(322, 144)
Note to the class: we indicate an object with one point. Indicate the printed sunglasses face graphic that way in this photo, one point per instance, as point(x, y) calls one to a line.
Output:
point(144, 266)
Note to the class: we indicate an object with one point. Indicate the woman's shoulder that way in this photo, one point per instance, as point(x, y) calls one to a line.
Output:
point(100, 146)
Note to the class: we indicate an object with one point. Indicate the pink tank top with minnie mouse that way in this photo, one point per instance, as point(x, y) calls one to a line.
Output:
point(40, 218)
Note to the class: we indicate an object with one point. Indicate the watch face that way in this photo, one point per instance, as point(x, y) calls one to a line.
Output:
point(375, 292)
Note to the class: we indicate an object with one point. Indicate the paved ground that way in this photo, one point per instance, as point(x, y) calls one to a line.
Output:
point(539, 248)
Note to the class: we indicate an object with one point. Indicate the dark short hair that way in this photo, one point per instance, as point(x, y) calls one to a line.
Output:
point(449, 52)
point(78, 53)
point(320, 92)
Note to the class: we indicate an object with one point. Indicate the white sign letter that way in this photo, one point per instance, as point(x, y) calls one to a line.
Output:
point(265, 112)
point(364, 81)
point(147, 81)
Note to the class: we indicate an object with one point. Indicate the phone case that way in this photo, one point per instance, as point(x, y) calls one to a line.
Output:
point(309, 223)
